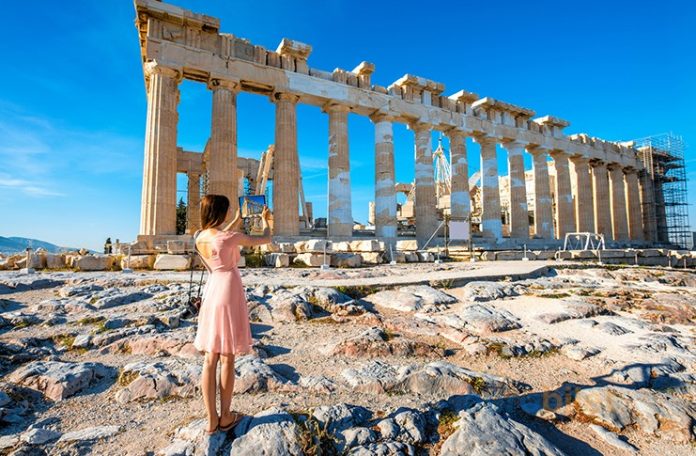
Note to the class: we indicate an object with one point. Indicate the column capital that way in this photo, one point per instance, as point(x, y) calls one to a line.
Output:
point(597, 163)
point(580, 160)
point(614, 167)
point(334, 106)
point(285, 96)
point(514, 144)
point(484, 139)
point(227, 84)
point(381, 116)
point(453, 133)
point(630, 170)
point(417, 126)
point(558, 153)
point(537, 150)
point(153, 67)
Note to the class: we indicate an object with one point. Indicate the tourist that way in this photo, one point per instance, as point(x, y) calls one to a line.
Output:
point(223, 323)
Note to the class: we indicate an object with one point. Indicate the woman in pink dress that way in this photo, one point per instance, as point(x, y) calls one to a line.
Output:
point(223, 321)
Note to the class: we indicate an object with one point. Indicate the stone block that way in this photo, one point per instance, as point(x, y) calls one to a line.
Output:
point(370, 245)
point(168, 262)
point(653, 261)
point(342, 246)
point(93, 262)
point(138, 262)
point(55, 260)
point(544, 254)
point(242, 262)
point(399, 257)
point(271, 247)
point(408, 245)
point(563, 255)
point(615, 253)
point(313, 246)
point(346, 260)
point(411, 257)
point(7, 263)
point(583, 254)
point(36, 261)
point(647, 253)
point(176, 246)
point(277, 260)
point(371, 257)
point(488, 256)
point(426, 257)
point(286, 247)
point(311, 259)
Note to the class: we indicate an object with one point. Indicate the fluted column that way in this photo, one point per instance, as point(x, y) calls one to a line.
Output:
point(491, 224)
point(222, 158)
point(425, 210)
point(460, 200)
point(584, 211)
point(193, 205)
point(542, 194)
point(635, 216)
point(286, 167)
point(385, 194)
point(565, 220)
point(340, 217)
point(601, 200)
point(519, 215)
point(647, 202)
point(619, 214)
point(158, 204)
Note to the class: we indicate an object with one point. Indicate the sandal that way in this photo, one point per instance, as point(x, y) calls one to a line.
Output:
point(213, 431)
point(237, 418)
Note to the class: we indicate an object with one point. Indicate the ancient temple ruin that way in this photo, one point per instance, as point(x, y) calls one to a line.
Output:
point(599, 186)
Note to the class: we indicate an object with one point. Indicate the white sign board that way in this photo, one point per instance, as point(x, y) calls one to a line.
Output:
point(459, 231)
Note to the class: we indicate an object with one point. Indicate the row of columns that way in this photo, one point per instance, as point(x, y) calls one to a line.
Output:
point(617, 214)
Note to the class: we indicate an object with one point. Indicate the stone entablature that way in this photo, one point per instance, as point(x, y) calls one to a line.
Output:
point(193, 45)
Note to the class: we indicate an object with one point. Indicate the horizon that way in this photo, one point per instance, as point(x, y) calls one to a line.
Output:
point(72, 117)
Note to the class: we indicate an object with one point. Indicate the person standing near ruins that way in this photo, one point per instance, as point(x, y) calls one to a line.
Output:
point(223, 330)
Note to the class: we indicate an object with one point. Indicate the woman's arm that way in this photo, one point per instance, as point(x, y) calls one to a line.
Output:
point(265, 238)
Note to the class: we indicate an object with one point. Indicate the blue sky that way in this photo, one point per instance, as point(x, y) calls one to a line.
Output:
point(72, 101)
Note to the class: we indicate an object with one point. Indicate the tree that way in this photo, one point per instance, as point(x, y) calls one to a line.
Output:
point(181, 217)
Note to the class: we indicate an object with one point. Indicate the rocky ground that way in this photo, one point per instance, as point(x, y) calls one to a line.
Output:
point(581, 360)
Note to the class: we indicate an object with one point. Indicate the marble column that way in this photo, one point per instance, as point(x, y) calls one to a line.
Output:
point(619, 214)
point(647, 202)
point(425, 210)
point(340, 217)
point(193, 205)
point(286, 190)
point(385, 194)
point(542, 194)
point(635, 216)
point(158, 204)
point(491, 223)
point(565, 220)
point(519, 214)
point(584, 210)
point(600, 200)
point(222, 158)
point(460, 200)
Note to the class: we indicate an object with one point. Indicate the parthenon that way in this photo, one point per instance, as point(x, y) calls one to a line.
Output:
point(599, 186)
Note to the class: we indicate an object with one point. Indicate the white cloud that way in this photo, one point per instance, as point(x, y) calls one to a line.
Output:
point(26, 187)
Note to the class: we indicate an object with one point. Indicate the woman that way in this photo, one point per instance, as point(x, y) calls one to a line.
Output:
point(223, 322)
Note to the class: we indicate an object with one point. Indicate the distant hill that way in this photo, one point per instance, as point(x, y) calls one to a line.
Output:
point(19, 244)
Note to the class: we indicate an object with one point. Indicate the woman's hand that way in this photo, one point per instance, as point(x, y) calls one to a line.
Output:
point(266, 214)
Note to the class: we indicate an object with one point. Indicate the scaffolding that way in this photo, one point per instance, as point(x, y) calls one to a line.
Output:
point(663, 157)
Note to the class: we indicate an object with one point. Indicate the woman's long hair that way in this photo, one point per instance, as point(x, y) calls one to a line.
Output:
point(213, 210)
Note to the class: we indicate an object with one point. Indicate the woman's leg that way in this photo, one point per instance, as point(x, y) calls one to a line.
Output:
point(226, 388)
point(208, 387)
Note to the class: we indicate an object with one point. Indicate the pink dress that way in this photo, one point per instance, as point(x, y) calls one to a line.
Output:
point(223, 320)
